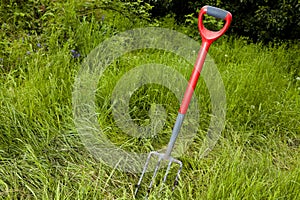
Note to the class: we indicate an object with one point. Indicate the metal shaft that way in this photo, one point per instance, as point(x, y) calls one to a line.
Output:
point(174, 135)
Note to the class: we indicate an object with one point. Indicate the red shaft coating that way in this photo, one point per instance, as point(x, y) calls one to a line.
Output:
point(194, 77)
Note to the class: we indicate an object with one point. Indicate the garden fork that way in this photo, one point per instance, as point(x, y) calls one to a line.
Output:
point(208, 37)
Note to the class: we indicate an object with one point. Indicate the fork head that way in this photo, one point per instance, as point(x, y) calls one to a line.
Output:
point(161, 157)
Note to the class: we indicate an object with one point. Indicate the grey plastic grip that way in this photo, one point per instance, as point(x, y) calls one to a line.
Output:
point(216, 12)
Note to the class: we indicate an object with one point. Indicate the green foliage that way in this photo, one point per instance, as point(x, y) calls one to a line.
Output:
point(280, 19)
point(266, 20)
point(30, 15)
point(262, 20)
point(26, 25)
point(35, 14)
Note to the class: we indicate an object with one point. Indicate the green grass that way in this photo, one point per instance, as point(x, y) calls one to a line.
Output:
point(42, 156)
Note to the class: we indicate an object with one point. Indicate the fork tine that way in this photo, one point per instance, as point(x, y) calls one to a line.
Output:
point(178, 173)
point(167, 172)
point(143, 173)
point(154, 174)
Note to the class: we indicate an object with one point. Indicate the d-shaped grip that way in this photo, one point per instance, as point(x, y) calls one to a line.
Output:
point(208, 35)
point(216, 12)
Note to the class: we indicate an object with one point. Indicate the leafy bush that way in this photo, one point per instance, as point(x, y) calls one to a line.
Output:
point(262, 20)
point(266, 20)
point(29, 26)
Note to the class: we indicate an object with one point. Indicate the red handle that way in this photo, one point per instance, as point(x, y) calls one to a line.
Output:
point(210, 36)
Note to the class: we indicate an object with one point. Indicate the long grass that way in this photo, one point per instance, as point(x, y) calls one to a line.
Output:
point(42, 156)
